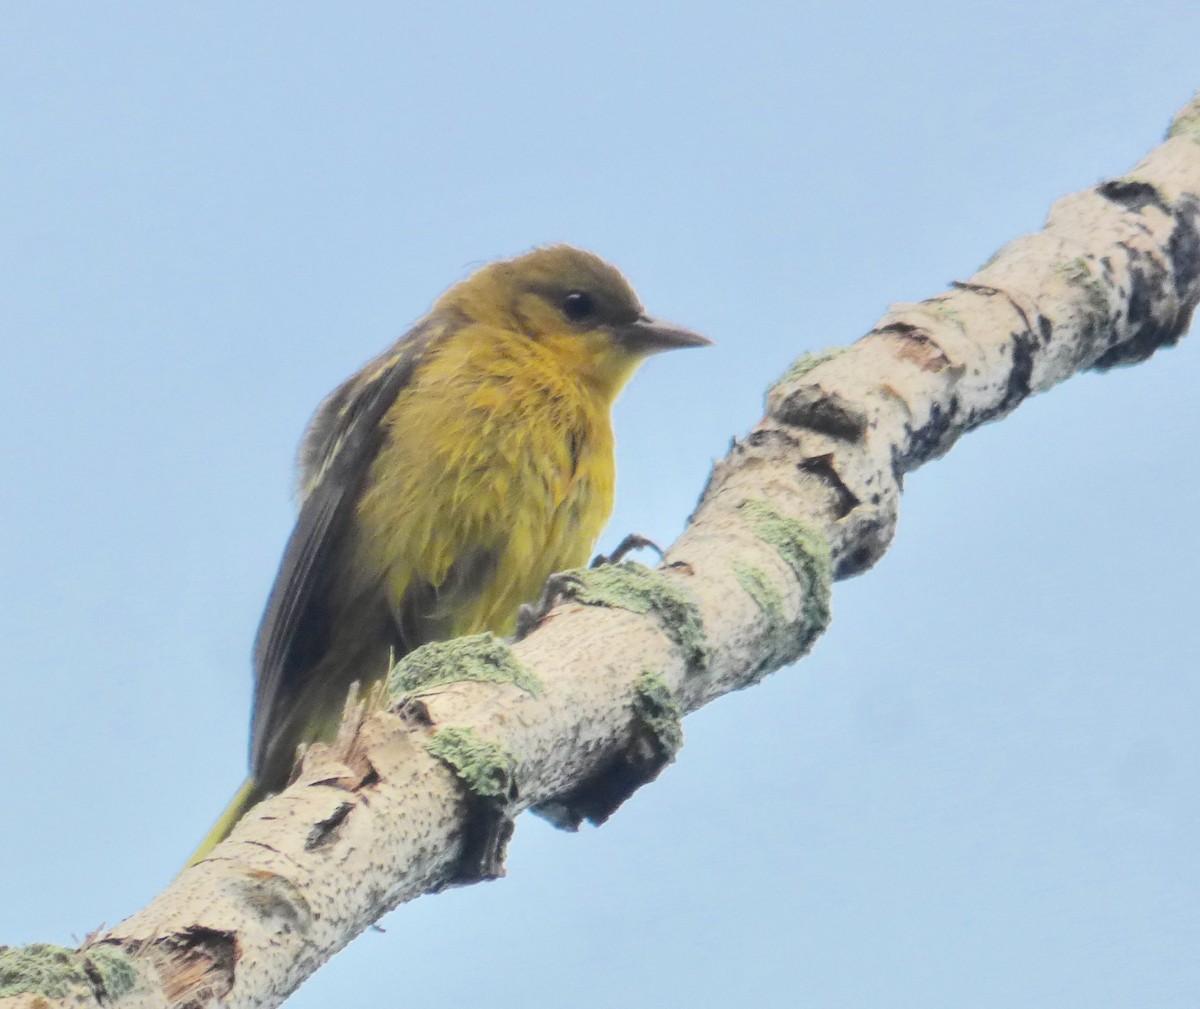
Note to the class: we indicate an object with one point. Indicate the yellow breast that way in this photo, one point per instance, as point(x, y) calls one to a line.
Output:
point(496, 471)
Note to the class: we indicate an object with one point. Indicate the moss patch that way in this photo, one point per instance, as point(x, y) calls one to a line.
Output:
point(632, 586)
point(480, 658)
point(807, 553)
point(485, 768)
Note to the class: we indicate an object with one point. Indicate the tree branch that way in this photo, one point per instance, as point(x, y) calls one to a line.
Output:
point(419, 791)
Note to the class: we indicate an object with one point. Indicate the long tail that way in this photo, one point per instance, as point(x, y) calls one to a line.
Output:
point(246, 797)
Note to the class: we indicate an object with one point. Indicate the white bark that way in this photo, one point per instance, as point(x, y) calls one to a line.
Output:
point(419, 794)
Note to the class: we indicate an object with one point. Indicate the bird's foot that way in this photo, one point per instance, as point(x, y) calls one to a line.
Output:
point(634, 541)
point(558, 585)
point(532, 614)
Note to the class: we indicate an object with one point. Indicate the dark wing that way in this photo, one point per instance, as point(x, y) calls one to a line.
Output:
point(336, 455)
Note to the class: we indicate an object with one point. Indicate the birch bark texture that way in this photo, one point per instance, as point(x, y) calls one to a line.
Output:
point(420, 790)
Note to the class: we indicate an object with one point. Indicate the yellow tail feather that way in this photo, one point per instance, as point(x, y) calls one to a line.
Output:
point(246, 797)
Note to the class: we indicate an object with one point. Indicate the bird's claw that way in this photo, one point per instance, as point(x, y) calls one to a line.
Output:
point(531, 614)
point(634, 541)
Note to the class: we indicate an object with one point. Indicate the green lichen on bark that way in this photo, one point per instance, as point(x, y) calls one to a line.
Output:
point(41, 969)
point(112, 970)
point(659, 713)
point(51, 972)
point(632, 586)
point(1187, 123)
point(487, 769)
point(656, 734)
point(779, 636)
point(799, 403)
point(479, 658)
point(758, 586)
point(806, 552)
point(1078, 273)
point(805, 363)
point(938, 308)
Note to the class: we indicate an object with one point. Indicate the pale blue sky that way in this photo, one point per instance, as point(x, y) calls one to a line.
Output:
point(979, 791)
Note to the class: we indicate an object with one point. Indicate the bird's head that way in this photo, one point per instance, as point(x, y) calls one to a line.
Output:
point(575, 305)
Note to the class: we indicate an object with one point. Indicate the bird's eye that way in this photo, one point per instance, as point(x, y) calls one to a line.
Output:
point(578, 305)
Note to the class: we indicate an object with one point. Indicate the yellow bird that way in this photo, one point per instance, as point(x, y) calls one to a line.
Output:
point(442, 485)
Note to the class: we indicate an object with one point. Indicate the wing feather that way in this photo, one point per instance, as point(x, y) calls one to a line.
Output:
point(336, 455)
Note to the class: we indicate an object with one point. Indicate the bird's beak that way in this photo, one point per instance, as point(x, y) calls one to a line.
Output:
point(648, 335)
